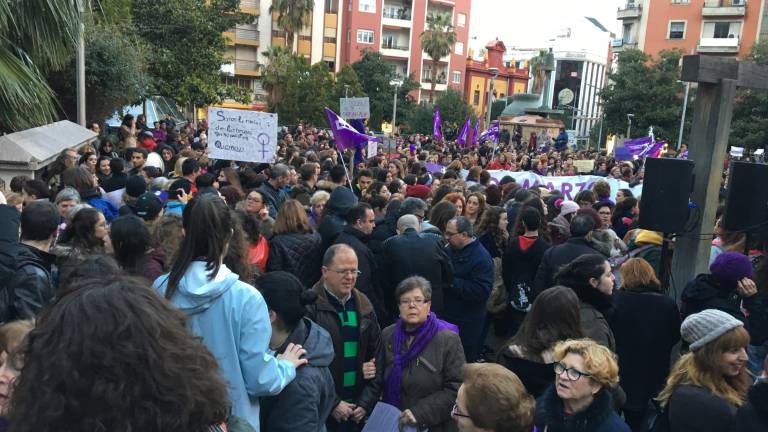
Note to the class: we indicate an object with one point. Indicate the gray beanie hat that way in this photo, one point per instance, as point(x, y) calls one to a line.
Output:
point(702, 328)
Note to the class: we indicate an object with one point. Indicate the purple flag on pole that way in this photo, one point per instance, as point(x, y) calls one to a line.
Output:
point(492, 133)
point(475, 131)
point(436, 123)
point(345, 135)
point(464, 134)
point(644, 147)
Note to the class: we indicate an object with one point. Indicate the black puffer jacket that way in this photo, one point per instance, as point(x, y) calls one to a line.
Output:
point(340, 202)
point(753, 416)
point(385, 228)
point(297, 253)
point(706, 293)
point(32, 286)
point(9, 240)
point(556, 257)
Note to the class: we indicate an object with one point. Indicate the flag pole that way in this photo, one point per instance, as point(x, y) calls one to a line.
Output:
point(349, 179)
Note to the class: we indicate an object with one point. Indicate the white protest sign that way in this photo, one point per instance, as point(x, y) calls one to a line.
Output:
point(737, 151)
point(759, 152)
point(355, 108)
point(247, 136)
point(571, 138)
point(373, 148)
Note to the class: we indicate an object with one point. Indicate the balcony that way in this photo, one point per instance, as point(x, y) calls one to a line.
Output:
point(718, 46)
point(396, 13)
point(426, 78)
point(619, 45)
point(251, 7)
point(246, 67)
point(724, 8)
point(246, 34)
point(394, 50)
point(631, 11)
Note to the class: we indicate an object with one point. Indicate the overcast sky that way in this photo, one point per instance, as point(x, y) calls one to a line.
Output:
point(531, 23)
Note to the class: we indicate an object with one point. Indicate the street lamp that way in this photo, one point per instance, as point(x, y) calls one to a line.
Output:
point(346, 90)
point(495, 72)
point(396, 83)
point(629, 125)
point(682, 119)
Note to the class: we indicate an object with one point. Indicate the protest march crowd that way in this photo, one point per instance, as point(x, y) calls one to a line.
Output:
point(145, 286)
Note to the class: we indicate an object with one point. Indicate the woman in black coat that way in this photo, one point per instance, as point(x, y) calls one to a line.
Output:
point(643, 350)
point(294, 247)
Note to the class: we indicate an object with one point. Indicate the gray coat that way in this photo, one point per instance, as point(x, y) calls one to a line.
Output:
point(595, 326)
point(307, 401)
point(430, 384)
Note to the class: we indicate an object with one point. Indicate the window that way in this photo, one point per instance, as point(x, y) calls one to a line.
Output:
point(676, 30)
point(722, 29)
point(476, 98)
point(461, 20)
point(331, 6)
point(456, 79)
point(367, 6)
point(365, 36)
point(459, 48)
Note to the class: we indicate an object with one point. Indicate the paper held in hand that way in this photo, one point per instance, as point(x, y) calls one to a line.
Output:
point(242, 135)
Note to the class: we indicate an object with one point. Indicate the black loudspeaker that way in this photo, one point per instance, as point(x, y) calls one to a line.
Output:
point(746, 205)
point(667, 186)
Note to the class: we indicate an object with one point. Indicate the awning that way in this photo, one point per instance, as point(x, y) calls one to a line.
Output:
point(37, 147)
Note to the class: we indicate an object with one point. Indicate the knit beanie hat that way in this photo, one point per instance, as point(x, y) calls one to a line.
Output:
point(135, 186)
point(568, 207)
point(702, 328)
point(729, 268)
point(646, 237)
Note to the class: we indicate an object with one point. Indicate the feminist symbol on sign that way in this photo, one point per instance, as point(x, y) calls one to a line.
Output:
point(263, 140)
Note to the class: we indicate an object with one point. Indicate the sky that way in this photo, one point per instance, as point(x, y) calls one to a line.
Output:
point(531, 23)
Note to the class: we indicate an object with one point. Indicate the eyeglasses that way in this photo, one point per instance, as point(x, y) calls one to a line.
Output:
point(346, 272)
point(420, 217)
point(415, 302)
point(573, 374)
point(455, 412)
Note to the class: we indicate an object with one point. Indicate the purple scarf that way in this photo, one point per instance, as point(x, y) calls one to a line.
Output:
point(422, 337)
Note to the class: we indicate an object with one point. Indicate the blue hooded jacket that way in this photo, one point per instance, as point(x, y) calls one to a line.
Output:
point(232, 319)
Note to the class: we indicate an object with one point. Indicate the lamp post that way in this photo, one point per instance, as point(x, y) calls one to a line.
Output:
point(396, 83)
point(495, 72)
point(346, 90)
point(682, 119)
point(629, 125)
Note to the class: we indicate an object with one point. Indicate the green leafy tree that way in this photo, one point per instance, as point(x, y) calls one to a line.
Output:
point(315, 86)
point(453, 110)
point(437, 41)
point(35, 36)
point(379, 75)
point(292, 16)
point(749, 127)
point(420, 119)
point(649, 89)
point(275, 74)
point(113, 79)
point(187, 47)
point(497, 107)
point(347, 83)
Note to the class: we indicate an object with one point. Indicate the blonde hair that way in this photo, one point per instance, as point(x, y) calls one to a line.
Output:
point(599, 361)
point(291, 218)
point(637, 275)
point(496, 398)
point(177, 167)
point(701, 368)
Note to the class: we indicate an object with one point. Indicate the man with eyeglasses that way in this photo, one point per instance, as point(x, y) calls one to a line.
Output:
point(465, 299)
point(348, 316)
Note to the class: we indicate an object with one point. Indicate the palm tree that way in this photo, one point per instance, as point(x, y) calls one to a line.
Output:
point(292, 17)
point(34, 36)
point(437, 41)
point(536, 67)
point(273, 73)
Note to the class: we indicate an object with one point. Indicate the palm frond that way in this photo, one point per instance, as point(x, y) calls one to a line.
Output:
point(47, 30)
point(26, 100)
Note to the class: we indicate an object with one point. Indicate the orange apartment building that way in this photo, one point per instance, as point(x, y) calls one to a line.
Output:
point(712, 27)
point(510, 79)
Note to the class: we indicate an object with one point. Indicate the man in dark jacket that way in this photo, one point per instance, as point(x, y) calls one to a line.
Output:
point(273, 189)
point(729, 288)
point(32, 286)
point(339, 203)
point(386, 227)
point(9, 240)
point(303, 191)
point(409, 254)
point(465, 300)
point(348, 316)
point(562, 254)
point(356, 234)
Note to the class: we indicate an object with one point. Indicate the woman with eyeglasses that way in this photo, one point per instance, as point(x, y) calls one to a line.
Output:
point(418, 365)
point(580, 399)
point(255, 204)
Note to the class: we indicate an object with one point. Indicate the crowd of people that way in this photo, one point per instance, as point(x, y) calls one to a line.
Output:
point(146, 286)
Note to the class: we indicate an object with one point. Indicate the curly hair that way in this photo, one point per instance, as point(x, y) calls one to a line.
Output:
point(114, 356)
point(599, 361)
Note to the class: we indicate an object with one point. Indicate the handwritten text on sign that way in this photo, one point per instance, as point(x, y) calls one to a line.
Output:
point(247, 136)
point(355, 108)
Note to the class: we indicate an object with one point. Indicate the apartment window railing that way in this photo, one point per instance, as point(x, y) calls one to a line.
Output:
point(247, 65)
point(401, 14)
point(253, 4)
point(393, 46)
point(247, 34)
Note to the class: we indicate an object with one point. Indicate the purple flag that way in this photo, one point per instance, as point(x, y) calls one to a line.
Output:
point(475, 131)
point(492, 133)
point(345, 135)
point(436, 123)
point(464, 134)
point(644, 147)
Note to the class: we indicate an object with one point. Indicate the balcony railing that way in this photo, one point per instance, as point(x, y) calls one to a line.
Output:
point(398, 14)
point(631, 11)
point(427, 78)
point(246, 65)
point(246, 34)
point(722, 8)
point(252, 4)
point(718, 45)
point(394, 46)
